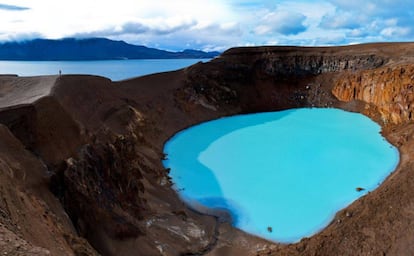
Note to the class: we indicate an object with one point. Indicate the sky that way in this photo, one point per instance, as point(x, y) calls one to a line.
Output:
point(211, 24)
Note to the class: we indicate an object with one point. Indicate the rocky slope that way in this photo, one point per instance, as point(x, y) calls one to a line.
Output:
point(80, 156)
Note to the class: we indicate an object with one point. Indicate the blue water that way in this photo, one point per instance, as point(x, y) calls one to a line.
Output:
point(113, 69)
point(281, 175)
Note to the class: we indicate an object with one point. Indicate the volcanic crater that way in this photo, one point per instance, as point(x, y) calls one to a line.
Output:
point(81, 156)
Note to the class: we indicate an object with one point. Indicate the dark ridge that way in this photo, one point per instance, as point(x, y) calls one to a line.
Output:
point(89, 49)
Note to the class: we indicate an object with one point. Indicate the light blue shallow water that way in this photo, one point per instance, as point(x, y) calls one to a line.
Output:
point(112, 69)
point(290, 170)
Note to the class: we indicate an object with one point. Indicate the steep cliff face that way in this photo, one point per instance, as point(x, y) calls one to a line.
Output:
point(277, 78)
point(304, 61)
point(274, 78)
point(390, 89)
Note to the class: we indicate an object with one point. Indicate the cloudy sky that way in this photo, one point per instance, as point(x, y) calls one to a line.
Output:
point(211, 24)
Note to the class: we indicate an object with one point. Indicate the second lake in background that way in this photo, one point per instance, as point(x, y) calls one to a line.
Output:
point(113, 69)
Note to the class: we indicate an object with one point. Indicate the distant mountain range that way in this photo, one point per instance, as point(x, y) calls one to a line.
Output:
point(89, 49)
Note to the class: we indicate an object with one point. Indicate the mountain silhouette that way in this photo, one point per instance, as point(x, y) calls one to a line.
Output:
point(89, 49)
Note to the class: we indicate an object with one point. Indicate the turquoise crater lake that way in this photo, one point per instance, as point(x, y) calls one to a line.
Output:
point(280, 175)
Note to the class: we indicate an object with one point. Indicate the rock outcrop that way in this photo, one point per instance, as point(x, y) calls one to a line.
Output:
point(390, 89)
point(299, 61)
point(80, 156)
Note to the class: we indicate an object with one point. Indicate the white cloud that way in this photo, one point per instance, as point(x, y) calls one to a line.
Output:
point(340, 20)
point(60, 18)
point(213, 24)
point(9, 7)
point(282, 22)
point(393, 32)
point(379, 20)
point(357, 33)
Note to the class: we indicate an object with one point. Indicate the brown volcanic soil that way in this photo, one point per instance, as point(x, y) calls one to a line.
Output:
point(80, 156)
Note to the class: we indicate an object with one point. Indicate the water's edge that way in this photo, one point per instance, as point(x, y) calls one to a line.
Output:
point(227, 210)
